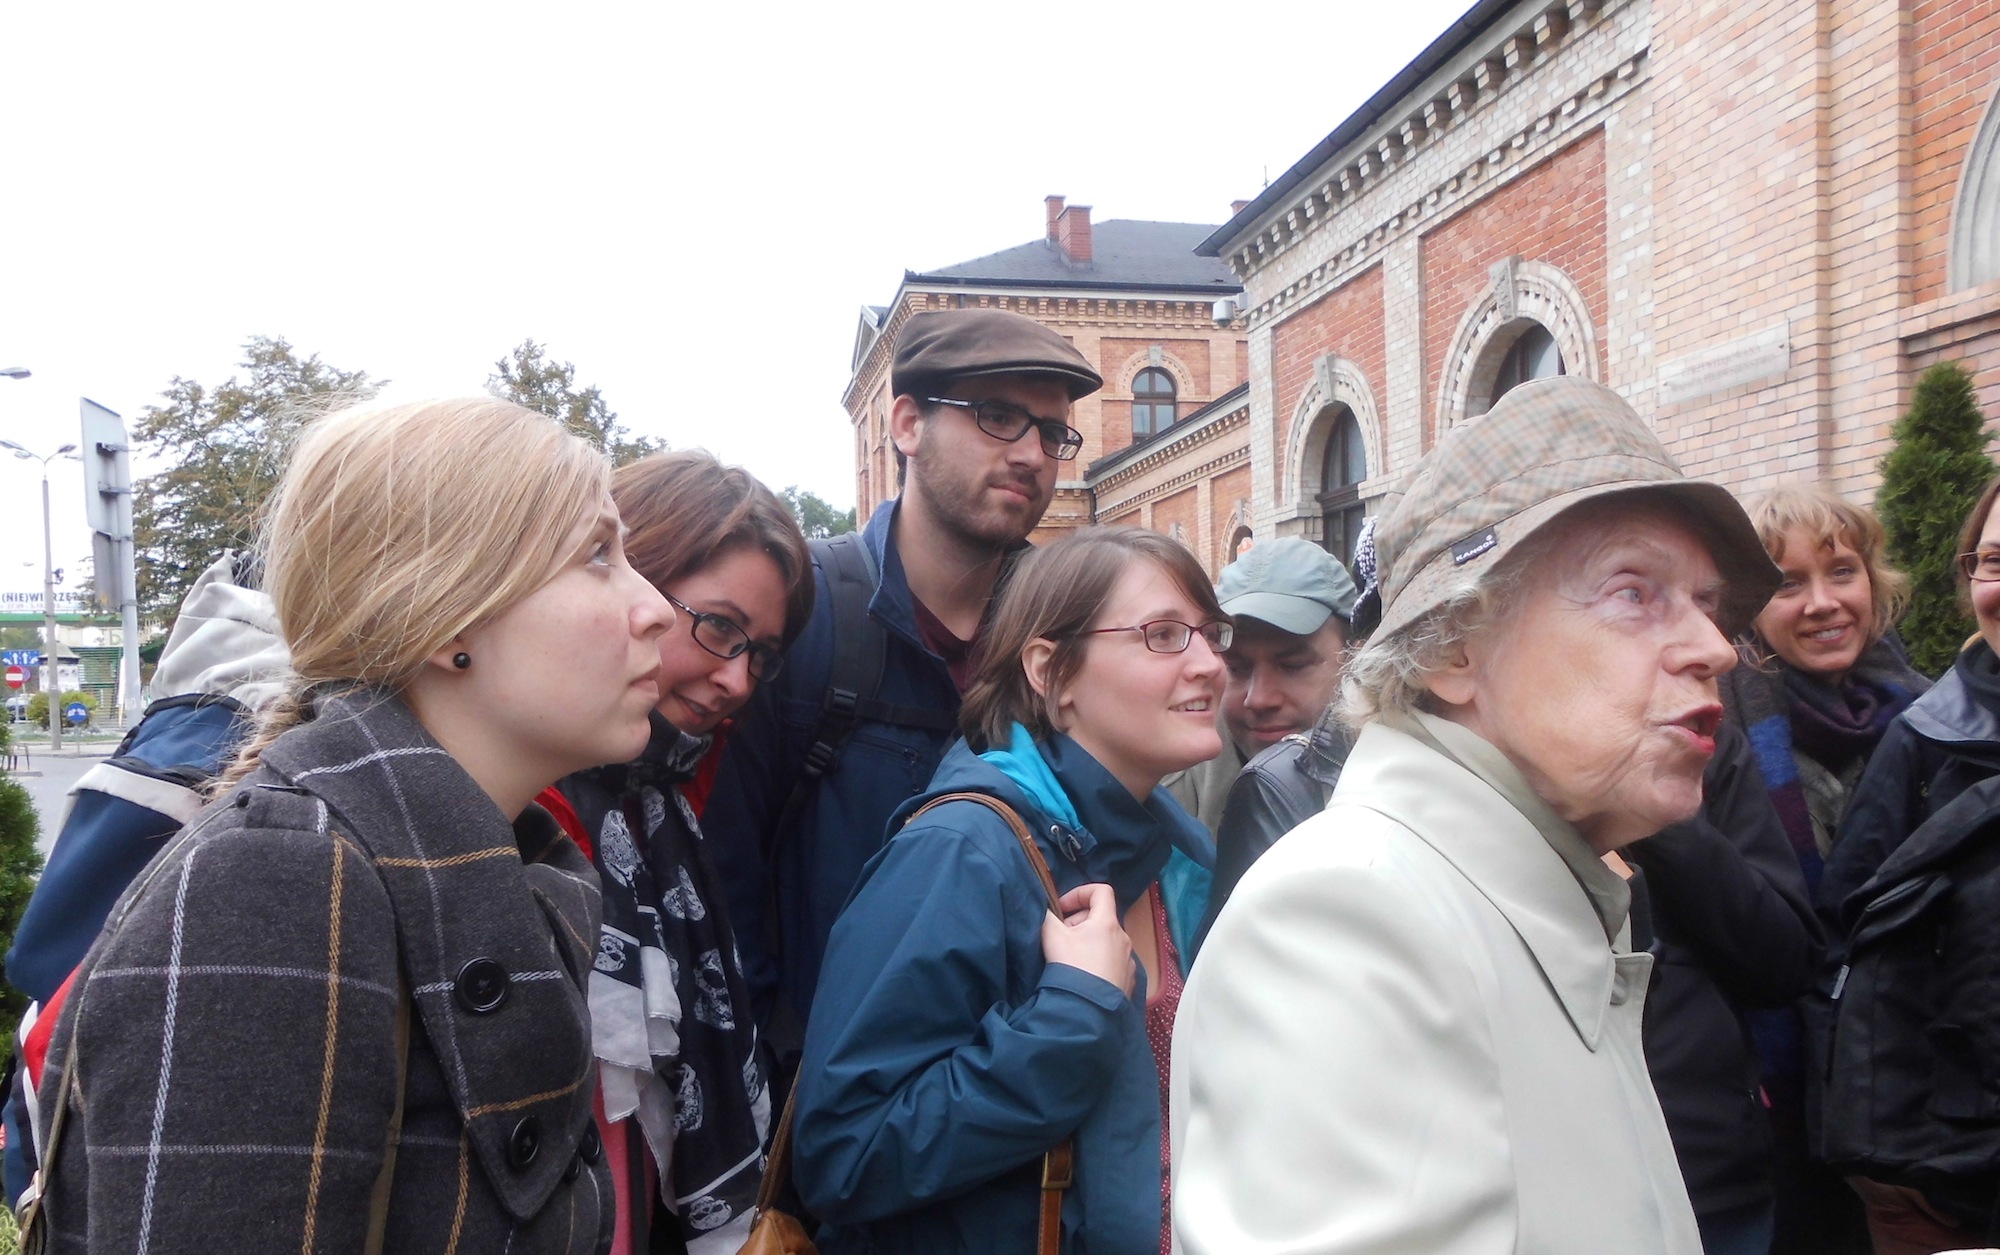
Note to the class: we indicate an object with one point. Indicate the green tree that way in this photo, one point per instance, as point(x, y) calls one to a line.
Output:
point(37, 712)
point(1931, 479)
point(21, 636)
point(816, 517)
point(20, 864)
point(224, 449)
point(528, 376)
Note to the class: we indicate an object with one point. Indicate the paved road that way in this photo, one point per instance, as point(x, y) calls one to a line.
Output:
point(50, 788)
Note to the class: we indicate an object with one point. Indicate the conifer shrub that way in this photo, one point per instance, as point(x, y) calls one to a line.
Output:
point(20, 864)
point(1931, 479)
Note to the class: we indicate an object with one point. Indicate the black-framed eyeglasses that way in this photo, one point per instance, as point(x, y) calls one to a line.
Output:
point(1003, 420)
point(1171, 636)
point(726, 639)
point(1982, 567)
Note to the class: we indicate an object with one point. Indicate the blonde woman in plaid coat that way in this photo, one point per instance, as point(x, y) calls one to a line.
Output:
point(344, 1010)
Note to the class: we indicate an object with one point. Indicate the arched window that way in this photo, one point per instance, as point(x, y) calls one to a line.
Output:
point(1975, 215)
point(1533, 355)
point(1152, 402)
point(1343, 466)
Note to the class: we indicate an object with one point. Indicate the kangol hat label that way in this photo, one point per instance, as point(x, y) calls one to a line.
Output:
point(1472, 546)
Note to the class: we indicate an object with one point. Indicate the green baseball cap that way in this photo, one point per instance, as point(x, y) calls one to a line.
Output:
point(1289, 583)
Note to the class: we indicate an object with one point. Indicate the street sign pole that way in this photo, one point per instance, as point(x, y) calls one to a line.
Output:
point(108, 505)
point(52, 684)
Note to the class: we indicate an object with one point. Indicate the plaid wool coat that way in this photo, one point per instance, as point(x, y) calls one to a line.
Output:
point(233, 1030)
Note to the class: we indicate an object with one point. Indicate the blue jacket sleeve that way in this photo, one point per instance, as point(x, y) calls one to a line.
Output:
point(935, 1059)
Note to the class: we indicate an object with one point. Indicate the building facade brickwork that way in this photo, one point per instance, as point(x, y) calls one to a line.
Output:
point(1739, 216)
point(1757, 221)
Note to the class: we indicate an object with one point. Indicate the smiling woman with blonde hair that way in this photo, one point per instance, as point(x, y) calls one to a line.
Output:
point(344, 1009)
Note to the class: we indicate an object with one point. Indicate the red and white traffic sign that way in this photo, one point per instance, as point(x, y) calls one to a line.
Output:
point(16, 677)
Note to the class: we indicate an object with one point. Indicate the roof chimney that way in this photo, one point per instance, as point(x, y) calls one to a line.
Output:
point(1055, 206)
point(1073, 234)
point(1237, 207)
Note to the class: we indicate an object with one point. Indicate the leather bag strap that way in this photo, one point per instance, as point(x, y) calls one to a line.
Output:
point(34, 1228)
point(378, 1198)
point(1019, 827)
point(778, 1165)
point(1058, 1165)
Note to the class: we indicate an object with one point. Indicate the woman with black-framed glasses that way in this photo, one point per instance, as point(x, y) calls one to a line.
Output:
point(669, 1008)
point(1933, 753)
point(962, 1031)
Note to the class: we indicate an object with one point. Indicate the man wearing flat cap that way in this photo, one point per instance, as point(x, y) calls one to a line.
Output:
point(869, 695)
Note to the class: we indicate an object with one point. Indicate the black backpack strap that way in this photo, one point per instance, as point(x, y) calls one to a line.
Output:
point(859, 650)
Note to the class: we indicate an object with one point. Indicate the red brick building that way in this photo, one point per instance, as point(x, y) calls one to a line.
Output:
point(1133, 297)
point(1758, 221)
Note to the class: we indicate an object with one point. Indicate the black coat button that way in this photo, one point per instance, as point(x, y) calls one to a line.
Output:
point(590, 1146)
point(573, 1169)
point(481, 986)
point(524, 1143)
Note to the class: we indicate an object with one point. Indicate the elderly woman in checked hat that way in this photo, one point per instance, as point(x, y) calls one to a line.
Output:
point(1416, 1025)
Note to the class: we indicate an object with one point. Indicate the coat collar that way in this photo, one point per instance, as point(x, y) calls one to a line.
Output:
point(1951, 713)
point(467, 888)
point(1122, 841)
point(1461, 797)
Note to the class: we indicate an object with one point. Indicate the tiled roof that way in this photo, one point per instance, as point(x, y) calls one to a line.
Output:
point(1124, 254)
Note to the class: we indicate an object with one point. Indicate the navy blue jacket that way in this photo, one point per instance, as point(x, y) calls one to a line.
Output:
point(842, 825)
point(944, 1057)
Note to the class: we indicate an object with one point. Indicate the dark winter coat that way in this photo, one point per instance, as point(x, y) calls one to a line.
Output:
point(841, 827)
point(234, 1030)
point(1276, 791)
point(1733, 929)
point(944, 1057)
point(1947, 741)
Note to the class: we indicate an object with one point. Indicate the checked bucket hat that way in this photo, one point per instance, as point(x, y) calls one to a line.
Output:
point(1545, 447)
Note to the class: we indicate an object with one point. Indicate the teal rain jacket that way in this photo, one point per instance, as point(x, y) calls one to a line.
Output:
point(944, 1057)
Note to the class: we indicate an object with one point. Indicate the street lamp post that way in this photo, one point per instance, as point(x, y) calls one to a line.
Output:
point(52, 673)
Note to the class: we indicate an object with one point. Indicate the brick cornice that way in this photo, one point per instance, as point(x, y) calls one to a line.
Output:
point(1951, 319)
point(1499, 165)
point(1343, 193)
point(1173, 451)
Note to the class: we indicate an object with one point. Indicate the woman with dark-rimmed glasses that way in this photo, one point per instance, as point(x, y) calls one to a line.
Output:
point(1947, 741)
point(962, 1030)
point(682, 1083)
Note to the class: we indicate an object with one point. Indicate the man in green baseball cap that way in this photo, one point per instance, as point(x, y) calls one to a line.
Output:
point(1293, 603)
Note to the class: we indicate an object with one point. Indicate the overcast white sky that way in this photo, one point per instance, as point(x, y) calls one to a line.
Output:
point(689, 202)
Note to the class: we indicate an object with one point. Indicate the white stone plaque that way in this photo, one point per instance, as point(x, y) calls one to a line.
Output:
point(1766, 354)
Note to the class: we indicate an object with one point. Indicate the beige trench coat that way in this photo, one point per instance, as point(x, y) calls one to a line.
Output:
point(1415, 1028)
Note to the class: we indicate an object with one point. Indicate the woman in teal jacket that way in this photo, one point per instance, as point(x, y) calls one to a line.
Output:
point(962, 1030)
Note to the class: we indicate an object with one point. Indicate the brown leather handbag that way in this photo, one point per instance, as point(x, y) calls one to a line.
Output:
point(773, 1232)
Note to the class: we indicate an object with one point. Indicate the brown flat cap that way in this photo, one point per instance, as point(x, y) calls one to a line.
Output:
point(938, 347)
point(1545, 447)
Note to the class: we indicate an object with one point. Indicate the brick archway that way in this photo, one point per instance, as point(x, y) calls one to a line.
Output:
point(1974, 256)
point(1522, 293)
